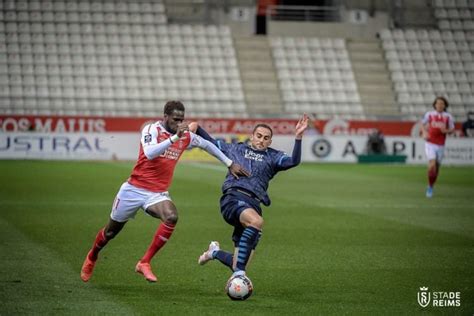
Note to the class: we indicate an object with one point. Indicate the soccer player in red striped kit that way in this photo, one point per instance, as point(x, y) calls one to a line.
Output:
point(436, 124)
point(162, 144)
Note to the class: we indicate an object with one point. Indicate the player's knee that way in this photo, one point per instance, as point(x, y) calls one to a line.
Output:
point(257, 222)
point(171, 217)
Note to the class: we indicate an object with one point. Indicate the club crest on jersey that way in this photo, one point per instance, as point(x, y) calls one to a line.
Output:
point(147, 138)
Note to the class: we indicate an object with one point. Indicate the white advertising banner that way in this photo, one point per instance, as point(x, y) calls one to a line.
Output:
point(458, 151)
point(124, 146)
point(69, 146)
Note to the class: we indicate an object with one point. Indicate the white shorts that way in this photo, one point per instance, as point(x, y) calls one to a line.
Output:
point(434, 152)
point(130, 199)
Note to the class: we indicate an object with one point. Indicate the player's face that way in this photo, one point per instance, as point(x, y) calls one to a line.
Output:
point(261, 138)
point(173, 120)
point(440, 106)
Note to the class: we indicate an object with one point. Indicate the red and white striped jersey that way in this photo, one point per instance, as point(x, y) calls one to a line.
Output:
point(436, 120)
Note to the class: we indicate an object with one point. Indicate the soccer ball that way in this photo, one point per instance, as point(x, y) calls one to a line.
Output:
point(239, 288)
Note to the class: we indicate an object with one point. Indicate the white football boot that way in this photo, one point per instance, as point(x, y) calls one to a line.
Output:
point(207, 255)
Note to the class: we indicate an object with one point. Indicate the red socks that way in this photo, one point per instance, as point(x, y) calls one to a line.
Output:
point(164, 232)
point(432, 175)
point(99, 243)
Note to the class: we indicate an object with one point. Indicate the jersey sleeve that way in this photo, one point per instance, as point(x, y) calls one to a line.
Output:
point(284, 161)
point(149, 140)
point(149, 136)
point(450, 122)
point(425, 118)
point(223, 146)
point(209, 147)
point(196, 141)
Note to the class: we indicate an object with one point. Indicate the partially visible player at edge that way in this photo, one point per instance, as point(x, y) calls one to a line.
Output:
point(241, 199)
point(161, 146)
point(436, 124)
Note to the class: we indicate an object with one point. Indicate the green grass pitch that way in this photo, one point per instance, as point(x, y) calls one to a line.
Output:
point(338, 239)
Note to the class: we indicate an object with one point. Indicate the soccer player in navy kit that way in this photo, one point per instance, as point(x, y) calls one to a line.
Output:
point(241, 199)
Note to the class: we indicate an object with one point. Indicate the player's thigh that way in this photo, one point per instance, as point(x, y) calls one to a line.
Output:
point(439, 154)
point(164, 210)
point(232, 207)
point(430, 151)
point(128, 201)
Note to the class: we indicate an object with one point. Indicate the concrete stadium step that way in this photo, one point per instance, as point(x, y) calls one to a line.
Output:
point(378, 109)
point(366, 67)
point(375, 88)
point(363, 45)
point(372, 78)
point(261, 86)
point(254, 54)
point(258, 74)
point(251, 42)
point(253, 64)
point(372, 56)
point(261, 109)
point(260, 96)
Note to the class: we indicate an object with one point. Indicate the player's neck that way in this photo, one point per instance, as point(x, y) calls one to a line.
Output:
point(167, 128)
point(256, 149)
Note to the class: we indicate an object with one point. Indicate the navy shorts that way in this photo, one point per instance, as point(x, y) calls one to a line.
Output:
point(233, 204)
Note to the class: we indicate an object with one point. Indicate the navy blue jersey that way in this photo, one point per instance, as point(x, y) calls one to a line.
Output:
point(262, 164)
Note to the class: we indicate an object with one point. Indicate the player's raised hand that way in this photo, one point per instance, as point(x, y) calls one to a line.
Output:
point(301, 126)
point(237, 170)
point(182, 128)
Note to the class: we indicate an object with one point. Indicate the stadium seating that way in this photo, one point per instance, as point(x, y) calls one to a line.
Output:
point(454, 15)
point(427, 63)
point(315, 76)
point(116, 57)
point(121, 58)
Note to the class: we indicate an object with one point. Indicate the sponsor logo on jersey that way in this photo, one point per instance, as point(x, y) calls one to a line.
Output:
point(250, 154)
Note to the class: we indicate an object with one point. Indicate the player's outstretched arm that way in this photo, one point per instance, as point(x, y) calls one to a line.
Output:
point(235, 169)
point(287, 162)
point(151, 147)
point(301, 126)
point(198, 130)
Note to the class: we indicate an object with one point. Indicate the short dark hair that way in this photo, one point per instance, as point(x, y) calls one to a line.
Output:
point(264, 126)
point(443, 99)
point(171, 106)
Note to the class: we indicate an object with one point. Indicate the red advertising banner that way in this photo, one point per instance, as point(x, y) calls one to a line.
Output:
point(89, 124)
